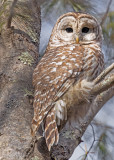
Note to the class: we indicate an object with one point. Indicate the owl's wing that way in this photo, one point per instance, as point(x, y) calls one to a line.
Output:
point(55, 73)
point(62, 90)
point(51, 130)
point(41, 110)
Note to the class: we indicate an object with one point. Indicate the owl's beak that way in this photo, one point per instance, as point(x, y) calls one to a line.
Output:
point(77, 39)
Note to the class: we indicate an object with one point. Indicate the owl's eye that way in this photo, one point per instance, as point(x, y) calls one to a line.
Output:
point(85, 30)
point(69, 30)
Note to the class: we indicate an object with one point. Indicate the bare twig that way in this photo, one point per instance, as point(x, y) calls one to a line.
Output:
point(11, 14)
point(92, 142)
point(95, 106)
point(97, 123)
point(106, 13)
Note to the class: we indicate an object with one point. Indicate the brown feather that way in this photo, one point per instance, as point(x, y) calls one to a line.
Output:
point(51, 131)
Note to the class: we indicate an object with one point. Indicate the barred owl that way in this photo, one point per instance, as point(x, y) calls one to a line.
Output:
point(63, 78)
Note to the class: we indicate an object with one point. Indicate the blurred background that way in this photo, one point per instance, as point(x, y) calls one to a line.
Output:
point(100, 134)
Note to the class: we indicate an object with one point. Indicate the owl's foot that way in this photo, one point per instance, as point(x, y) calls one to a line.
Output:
point(84, 91)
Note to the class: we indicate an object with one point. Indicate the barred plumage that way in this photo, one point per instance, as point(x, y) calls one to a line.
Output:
point(64, 75)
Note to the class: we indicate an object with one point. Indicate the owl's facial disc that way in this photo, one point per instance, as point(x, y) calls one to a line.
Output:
point(88, 30)
point(66, 28)
point(72, 28)
point(81, 30)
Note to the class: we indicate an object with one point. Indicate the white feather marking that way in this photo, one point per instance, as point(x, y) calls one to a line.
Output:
point(35, 100)
point(51, 122)
point(88, 56)
point(63, 57)
point(44, 94)
point(59, 115)
point(71, 48)
point(58, 77)
point(47, 91)
point(52, 62)
point(37, 93)
point(58, 86)
point(49, 115)
point(53, 70)
point(76, 65)
point(47, 77)
point(51, 89)
point(45, 112)
point(36, 72)
point(60, 110)
point(73, 59)
point(59, 106)
point(59, 53)
point(64, 67)
point(52, 140)
point(59, 63)
point(40, 117)
point(59, 94)
point(48, 96)
point(70, 71)
point(64, 74)
point(51, 81)
point(38, 82)
point(43, 101)
point(76, 54)
point(62, 103)
point(69, 64)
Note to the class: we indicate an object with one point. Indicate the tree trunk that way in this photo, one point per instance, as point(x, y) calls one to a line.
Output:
point(19, 43)
point(18, 58)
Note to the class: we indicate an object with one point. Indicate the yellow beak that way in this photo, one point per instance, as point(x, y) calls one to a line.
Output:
point(77, 39)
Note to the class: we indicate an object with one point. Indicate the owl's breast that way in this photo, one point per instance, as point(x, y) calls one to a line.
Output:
point(93, 62)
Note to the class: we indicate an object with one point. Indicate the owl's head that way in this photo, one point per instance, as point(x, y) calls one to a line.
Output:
point(77, 28)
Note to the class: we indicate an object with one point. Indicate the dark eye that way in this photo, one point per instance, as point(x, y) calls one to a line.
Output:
point(85, 30)
point(69, 30)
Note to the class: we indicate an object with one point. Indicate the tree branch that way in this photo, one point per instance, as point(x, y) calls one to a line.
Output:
point(106, 13)
point(95, 106)
point(104, 85)
point(92, 142)
point(11, 14)
point(104, 73)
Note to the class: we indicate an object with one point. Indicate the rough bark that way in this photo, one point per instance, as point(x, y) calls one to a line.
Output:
point(19, 42)
point(18, 58)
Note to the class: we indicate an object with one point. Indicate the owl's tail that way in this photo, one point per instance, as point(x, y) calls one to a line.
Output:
point(51, 131)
